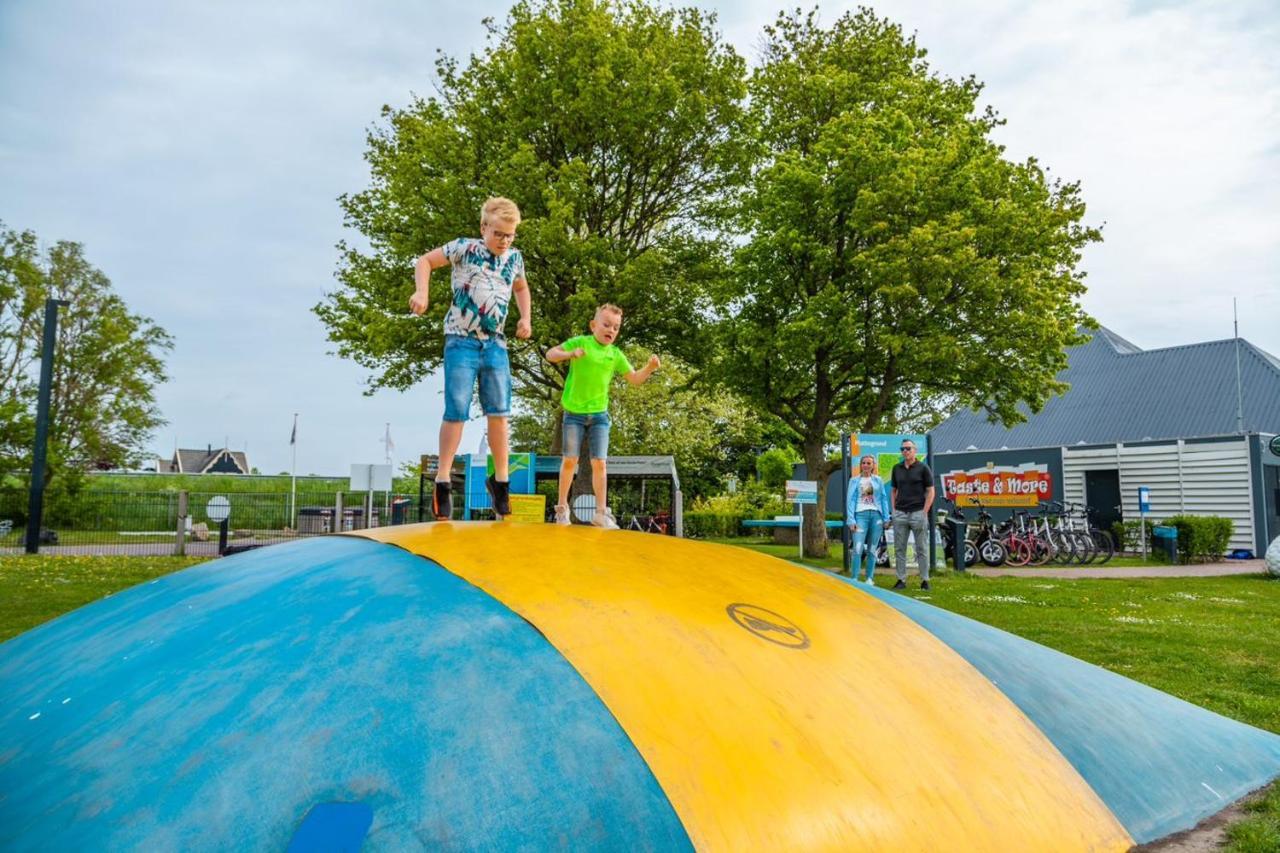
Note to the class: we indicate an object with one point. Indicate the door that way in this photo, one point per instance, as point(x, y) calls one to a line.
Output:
point(1102, 494)
point(1271, 490)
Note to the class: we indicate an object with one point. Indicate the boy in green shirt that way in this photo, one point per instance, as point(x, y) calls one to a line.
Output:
point(593, 361)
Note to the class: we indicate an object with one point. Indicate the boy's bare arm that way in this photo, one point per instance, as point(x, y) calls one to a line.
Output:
point(641, 376)
point(557, 354)
point(524, 328)
point(422, 278)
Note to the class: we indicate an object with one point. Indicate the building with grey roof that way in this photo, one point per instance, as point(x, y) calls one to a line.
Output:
point(1194, 424)
point(208, 461)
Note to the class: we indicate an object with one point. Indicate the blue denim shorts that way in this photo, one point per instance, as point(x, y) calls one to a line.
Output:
point(596, 426)
point(465, 359)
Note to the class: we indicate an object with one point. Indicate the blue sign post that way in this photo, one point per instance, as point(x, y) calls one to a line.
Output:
point(1144, 507)
point(801, 492)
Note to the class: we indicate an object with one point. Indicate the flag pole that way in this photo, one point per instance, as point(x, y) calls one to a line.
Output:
point(293, 473)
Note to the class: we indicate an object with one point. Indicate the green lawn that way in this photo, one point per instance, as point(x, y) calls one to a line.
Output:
point(35, 589)
point(1260, 833)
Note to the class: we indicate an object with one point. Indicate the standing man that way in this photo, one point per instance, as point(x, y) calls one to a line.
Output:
point(911, 499)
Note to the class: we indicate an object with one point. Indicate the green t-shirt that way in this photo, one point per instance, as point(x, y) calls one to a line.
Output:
point(586, 389)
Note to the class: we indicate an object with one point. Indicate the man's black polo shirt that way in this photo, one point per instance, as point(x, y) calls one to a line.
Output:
point(910, 485)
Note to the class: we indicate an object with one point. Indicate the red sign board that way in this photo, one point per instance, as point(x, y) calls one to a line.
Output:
point(999, 485)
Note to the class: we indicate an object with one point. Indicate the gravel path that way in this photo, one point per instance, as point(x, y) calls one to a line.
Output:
point(1204, 570)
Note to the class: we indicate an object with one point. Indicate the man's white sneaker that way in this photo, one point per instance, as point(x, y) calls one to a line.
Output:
point(562, 514)
point(604, 518)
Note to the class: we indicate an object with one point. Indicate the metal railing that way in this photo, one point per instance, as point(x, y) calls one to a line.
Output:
point(180, 522)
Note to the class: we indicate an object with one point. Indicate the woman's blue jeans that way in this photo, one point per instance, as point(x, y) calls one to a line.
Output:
point(865, 541)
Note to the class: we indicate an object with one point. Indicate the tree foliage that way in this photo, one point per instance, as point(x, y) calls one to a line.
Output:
point(895, 260)
point(107, 360)
point(774, 467)
point(609, 123)
point(708, 431)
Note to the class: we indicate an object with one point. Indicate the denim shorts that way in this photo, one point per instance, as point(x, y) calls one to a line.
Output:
point(465, 359)
point(596, 426)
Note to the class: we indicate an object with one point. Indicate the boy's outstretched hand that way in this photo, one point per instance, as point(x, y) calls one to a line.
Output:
point(524, 329)
point(654, 363)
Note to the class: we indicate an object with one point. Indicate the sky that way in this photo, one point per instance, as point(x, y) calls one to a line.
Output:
point(198, 150)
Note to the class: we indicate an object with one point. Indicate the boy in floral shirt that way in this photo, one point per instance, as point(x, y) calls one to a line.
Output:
point(486, 273)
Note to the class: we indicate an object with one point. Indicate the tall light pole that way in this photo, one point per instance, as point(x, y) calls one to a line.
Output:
point(35, 508)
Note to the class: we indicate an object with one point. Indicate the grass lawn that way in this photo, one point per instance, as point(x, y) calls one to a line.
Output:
point(35, 589)
point(1260, 833)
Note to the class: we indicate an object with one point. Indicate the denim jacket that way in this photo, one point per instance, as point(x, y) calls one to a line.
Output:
point(880, 491)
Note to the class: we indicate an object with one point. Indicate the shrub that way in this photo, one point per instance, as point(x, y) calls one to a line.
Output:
point(1128, 534)
point(722, 515)
point(702, 524)
point(1201, 537)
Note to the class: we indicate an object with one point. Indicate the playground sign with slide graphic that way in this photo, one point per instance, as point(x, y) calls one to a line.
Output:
point(885, 448)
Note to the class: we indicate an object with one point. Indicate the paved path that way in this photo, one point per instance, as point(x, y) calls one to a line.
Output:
point(1229, 567)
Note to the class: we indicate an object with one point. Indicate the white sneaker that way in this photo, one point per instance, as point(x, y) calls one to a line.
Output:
point(562, 514)
point(604, 518)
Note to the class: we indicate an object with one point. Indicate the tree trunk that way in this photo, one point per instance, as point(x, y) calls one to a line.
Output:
point(815, 517)
point(557, 434)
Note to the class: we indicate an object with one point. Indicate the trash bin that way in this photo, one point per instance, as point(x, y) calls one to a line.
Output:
point(315, 519)
point(958, 530)
point(400, 510)
point(1165, 539)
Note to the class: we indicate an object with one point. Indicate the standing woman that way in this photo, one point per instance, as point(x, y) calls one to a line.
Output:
point(869, 510)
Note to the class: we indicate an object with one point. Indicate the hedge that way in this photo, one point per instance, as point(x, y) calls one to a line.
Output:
point(704, 524)
point(1201, 537)
point(1128, 535)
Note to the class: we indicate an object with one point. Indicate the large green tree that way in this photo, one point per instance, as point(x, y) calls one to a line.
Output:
point(108, 360)
point(895, 260)
point(609, 124)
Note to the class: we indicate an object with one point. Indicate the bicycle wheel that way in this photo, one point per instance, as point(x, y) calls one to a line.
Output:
point(1085, 551)
point(1018, 550)
point(1105, 545)
point(1041, 550)
point(1062, 544)
point(993, 552)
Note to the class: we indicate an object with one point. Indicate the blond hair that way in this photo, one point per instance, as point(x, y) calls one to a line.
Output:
point(609, 306)
point(500, 208)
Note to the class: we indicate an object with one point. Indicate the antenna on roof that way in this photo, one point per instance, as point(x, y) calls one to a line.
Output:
point(1235, 317)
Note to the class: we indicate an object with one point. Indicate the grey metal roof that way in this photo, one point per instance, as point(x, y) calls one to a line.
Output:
point(1120, 393)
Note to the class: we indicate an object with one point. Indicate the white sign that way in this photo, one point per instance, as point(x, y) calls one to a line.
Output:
point(370, 478)
point(802, 491)
point(218, 509)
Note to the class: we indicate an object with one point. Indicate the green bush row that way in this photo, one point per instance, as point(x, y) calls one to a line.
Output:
point(705, 524)
point(1128, 534)
point(1201, 537)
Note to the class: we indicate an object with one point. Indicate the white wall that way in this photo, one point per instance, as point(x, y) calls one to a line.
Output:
point(1199, 478)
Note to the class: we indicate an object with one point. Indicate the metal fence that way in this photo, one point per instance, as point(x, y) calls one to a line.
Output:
point(163, 523)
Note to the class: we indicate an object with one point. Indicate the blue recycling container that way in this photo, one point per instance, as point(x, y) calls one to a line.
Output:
point(1166, 539)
